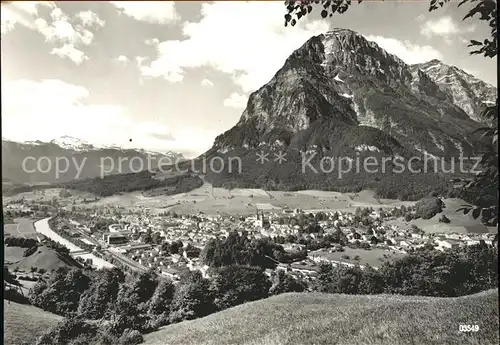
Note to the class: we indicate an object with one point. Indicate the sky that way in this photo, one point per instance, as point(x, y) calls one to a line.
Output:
point(172, 76)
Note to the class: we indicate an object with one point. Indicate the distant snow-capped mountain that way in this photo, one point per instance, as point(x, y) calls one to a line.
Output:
point(89, 156)
point(72, 143)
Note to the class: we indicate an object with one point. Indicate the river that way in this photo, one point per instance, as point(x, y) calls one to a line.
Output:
point(42, 227)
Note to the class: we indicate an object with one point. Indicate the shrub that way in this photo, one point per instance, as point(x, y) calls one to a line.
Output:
point(30, 251)
point(444, 219)
point(69, 331)
point(429, 207)
point(416, 230)
point(131, 337)
point(64, 193)
point(13, 294)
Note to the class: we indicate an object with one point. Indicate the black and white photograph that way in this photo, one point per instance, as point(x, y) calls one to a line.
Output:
point(250, 172)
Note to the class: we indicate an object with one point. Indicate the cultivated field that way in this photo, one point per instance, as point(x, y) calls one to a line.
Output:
point(77, 197)
point(44, 258)
point(307, 319)
point(13, 254)
point(245, 201)
point(212, 201)
point(22, 227)
point(373, 257)
point(459, 223)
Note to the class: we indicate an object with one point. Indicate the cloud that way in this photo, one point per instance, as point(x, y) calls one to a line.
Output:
point(236, 100)
point(405, 50)
point(246, 40)
point(153, 12)
point(193, 141)
point(89, 19)
point(123, 59)
point(68, 51)
point(163, 136)
point(23, 13)
point(152, 41)
point(444, 27)
point(61, 30)
point(48, 109)
point(51, 108)
point(207, 83)
point(421, 18)
point(67, 34)
point(153, 127)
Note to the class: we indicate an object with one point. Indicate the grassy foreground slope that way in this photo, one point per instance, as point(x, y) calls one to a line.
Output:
point(23, 324)
point(312, 318)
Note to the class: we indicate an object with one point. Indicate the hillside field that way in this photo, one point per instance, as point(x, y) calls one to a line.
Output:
point(309, 318)
point(23, 324)
point(312, 318)
point(44, 258)
point(21, 227)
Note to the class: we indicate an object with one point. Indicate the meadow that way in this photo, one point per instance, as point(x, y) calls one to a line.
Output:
point(324, 319)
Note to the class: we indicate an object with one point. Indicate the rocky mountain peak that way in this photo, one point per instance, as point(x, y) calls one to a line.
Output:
point(463, 89)
point(339, 80)
point(72, 143)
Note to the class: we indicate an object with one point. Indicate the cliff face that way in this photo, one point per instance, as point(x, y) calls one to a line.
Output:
point(463, 89)
point(340, 80)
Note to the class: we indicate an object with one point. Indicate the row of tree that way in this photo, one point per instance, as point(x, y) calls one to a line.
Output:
point(143, 302)
point(425, 272)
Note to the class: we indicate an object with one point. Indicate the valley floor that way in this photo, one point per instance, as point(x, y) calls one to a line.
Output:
point(213, 201)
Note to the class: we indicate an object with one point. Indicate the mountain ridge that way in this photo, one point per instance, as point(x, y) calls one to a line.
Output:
point(79, 154)
point(339, 87)
point(339, 93)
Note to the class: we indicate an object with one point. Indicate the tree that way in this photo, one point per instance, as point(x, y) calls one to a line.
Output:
point(130, 310)
point(239, 250)
point(428, 207)
point(8, 277)
point(162, 298)
point(61, 291)
point(282, 283)
point(487, 9)
point(444, 219)
point(175, 247)
point(192, 251)
point(483, 191)
point(234, 285)
point(69, 331)
point(372, 282)
point(156, 238)
point(98, 300)
point(192, 298)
